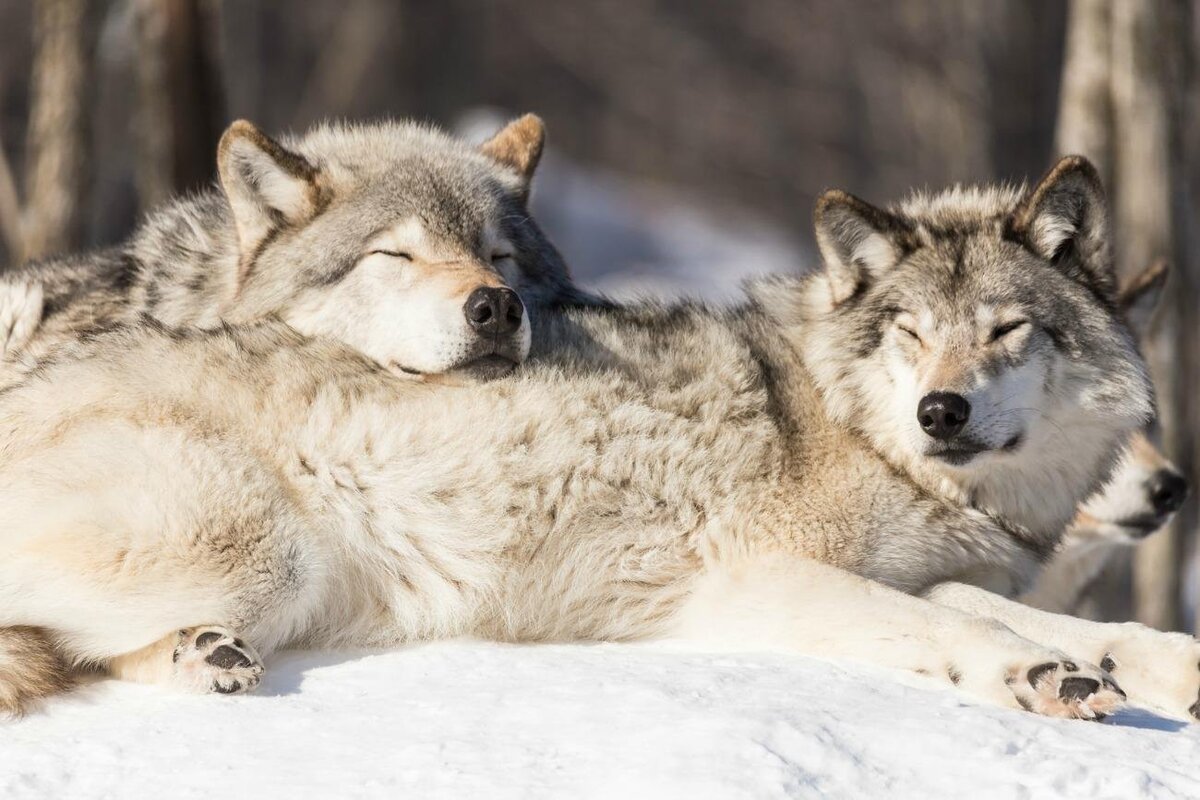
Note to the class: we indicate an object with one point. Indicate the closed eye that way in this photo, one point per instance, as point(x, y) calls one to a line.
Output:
point(909, 332)
point(501, 256)
point(1000, 331)
point(392, 254)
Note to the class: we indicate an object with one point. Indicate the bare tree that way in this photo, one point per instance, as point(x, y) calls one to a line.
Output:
point(180, 110)
point(57, 165)
point(1085, 107)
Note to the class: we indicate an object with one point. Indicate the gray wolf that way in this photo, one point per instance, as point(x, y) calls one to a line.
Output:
point(787, 474)
point(1141, 497)
point(408, 245)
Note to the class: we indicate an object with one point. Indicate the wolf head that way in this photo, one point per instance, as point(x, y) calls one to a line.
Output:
point(411, 246)
point(974, 337)
point(1145, 489)
point(1142, 495)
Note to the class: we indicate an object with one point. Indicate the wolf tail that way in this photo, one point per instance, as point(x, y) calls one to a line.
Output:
point(30, 668)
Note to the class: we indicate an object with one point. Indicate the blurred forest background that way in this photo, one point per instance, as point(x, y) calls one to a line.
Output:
point(688, 139)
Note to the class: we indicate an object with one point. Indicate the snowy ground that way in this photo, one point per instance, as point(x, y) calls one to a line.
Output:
point(473, 720)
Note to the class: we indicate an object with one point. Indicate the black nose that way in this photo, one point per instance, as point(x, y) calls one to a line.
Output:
point(1167, 489)
point(494, 311)
point(943, 414)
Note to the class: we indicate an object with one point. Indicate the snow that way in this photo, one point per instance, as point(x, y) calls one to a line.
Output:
point(476, 719)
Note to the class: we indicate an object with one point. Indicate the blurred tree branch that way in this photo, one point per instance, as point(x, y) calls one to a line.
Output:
point(1085, 109)
point(10, 209)
point(180, 108)
point(58, 149)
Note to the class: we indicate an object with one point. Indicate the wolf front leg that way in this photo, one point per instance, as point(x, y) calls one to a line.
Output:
point(1159, 670)
point(787, 603)
point(205, 659)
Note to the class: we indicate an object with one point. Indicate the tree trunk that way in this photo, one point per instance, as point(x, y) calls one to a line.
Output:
point(57, 174)
point(1085, 107)
point(180, 108)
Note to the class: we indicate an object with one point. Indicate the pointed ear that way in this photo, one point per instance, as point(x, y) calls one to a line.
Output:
point(1140, 297)
point(1065, 221)
point(268, 186)
point(518, 145)
point(858, 241)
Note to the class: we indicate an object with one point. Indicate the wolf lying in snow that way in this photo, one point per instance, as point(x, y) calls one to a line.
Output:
point(400, 241)
point(930, 407)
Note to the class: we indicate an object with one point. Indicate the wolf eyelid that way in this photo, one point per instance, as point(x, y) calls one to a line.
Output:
point(501, 256)
point(1001, 331)
point(392, 253)
point(909, 331)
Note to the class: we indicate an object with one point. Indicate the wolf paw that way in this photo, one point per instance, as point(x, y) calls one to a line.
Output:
point(211, 659)
point(1063, 688)
point(1159, 670)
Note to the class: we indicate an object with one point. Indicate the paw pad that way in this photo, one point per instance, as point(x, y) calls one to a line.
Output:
point(211, 659)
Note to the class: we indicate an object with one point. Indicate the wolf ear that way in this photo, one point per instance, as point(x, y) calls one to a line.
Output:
point(1140, 297)
point(267, 185)
point(518, 145)
point(1065, 220)
point(858, 241)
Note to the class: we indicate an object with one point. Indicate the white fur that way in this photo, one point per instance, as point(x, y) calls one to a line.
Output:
point(812, 608)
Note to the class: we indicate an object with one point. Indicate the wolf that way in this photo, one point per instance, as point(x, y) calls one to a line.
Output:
point(789, 474)
point(408, 245)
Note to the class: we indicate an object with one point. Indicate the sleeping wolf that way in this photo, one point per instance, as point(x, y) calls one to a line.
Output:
point(933, 405)
point(400, 241)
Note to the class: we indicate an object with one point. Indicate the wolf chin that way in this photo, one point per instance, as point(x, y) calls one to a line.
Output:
point(727, 477)
point(404, 243)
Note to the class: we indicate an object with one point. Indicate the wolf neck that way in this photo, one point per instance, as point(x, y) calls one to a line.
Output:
point(187, 257)
point(1034, 496)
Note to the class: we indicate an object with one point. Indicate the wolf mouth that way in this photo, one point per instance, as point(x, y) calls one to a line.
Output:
point(484, 368)
point(1142, 525)
point(958, 456)
point(963, 453)
point(959, 453)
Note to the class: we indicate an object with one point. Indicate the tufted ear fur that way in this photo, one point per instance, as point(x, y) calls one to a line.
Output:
point(267, 185)
point(858, 242)
point(518, 146)
point(1065, 221)
point(1140, 297)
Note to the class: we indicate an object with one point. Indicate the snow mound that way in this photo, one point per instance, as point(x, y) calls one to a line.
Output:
point(469, 719)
